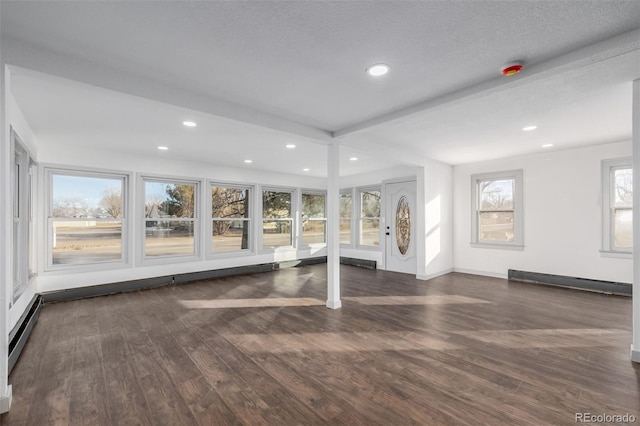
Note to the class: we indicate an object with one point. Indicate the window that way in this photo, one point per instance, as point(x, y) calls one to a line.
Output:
point(230, 218)
point(314, 221)
point(497, 209)
point(617, 211)
point(87, 219)
point(170, 217)
point(277, 220)
point(23, 267)
point(369, 217)
point(346, 202)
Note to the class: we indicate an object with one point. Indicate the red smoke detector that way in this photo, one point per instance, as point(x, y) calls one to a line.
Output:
point(512, 69)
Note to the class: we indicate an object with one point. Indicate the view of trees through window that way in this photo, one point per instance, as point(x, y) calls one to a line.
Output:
point(277, 220)
point(231, 223)
point(623, 208)
point(313, 219)
point(169, 218)
point(496, 212)
point(370, 218)
point(86, 219)
point(346, 201)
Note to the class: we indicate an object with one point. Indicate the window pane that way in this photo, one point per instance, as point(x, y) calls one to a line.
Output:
point(496, 194)
point(313, 205)
point(623, 229)
point(345, 205)
point(276, 204)
point(86, 241)
point(82, 196)
point(345, 231)
point(169, 238)
point(313, 231)
point(164, 200)
point(623, 187)
point(230, 235)
point(229, 202)
point(276, 233)
point(370, 204)
point(495, 226)
point(369, 232)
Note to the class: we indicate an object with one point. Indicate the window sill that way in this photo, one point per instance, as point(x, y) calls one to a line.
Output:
point(616, 254)
point(368, 248)
point(498, 246)
point(60, 269)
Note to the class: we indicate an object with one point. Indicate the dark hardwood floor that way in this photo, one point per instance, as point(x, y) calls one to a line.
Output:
point(263, 350)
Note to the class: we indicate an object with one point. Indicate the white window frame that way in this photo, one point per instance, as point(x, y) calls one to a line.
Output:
point(23, 168)
point(518, 212)
point(209, 222)
point(358, 217)
point(301, 243)
point(352, 220)
point(295, 213)
point(608, 207)
point(143, 259)
point(49, 170)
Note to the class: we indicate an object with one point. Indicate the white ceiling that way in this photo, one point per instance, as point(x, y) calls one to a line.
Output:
point(302, 64)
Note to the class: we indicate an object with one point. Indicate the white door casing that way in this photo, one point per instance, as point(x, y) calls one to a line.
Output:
point(400, 227)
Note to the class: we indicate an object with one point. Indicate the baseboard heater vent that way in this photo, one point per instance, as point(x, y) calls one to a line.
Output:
point(134, 285)
point(20, 334)
point(608, 287)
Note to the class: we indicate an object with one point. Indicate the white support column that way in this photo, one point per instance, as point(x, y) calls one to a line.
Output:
point(635, 346)
point(6, 230)
point(333, 226)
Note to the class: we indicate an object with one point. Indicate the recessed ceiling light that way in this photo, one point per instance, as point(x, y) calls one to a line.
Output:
point(189, 123)
point(353, 159)
point(306, 169)
point(547, 145)
point(248, 161)
point(529, 128)
point(290, 146)
point(377, 70)
point(163, 148)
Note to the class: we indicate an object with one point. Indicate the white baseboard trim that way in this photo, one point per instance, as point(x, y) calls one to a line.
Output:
point(425, 277)
point(635, 355)
point(334, 304)
point(482, 273)
point(5, 401)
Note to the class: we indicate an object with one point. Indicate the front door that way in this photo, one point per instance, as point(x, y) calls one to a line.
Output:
point(400, 229)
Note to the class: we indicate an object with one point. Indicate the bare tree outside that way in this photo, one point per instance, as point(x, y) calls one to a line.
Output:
point(496, 214)
point(230, 214)
point(111, 202)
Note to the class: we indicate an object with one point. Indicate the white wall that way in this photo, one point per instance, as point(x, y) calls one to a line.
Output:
point(562, 216)
point(438, 230)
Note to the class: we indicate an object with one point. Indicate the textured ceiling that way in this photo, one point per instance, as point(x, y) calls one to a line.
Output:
point(304, 62)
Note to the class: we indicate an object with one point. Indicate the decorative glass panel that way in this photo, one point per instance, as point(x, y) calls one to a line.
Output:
point(403, 225)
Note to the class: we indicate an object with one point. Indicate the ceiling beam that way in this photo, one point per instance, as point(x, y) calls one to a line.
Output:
point(30, 57)
point(598, 52)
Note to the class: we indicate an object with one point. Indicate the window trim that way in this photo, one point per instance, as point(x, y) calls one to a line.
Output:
point(46, 262)
point(142, 258)
point(209, 222)
point(358, 217)
point(518, 212)
point(608, 167)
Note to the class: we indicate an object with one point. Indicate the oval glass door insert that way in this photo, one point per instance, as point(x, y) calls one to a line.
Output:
point(403, 225)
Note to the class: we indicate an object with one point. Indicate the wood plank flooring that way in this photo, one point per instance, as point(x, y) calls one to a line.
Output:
point(263, 350)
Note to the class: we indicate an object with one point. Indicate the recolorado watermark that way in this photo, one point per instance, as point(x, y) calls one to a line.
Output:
point(604, 418)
